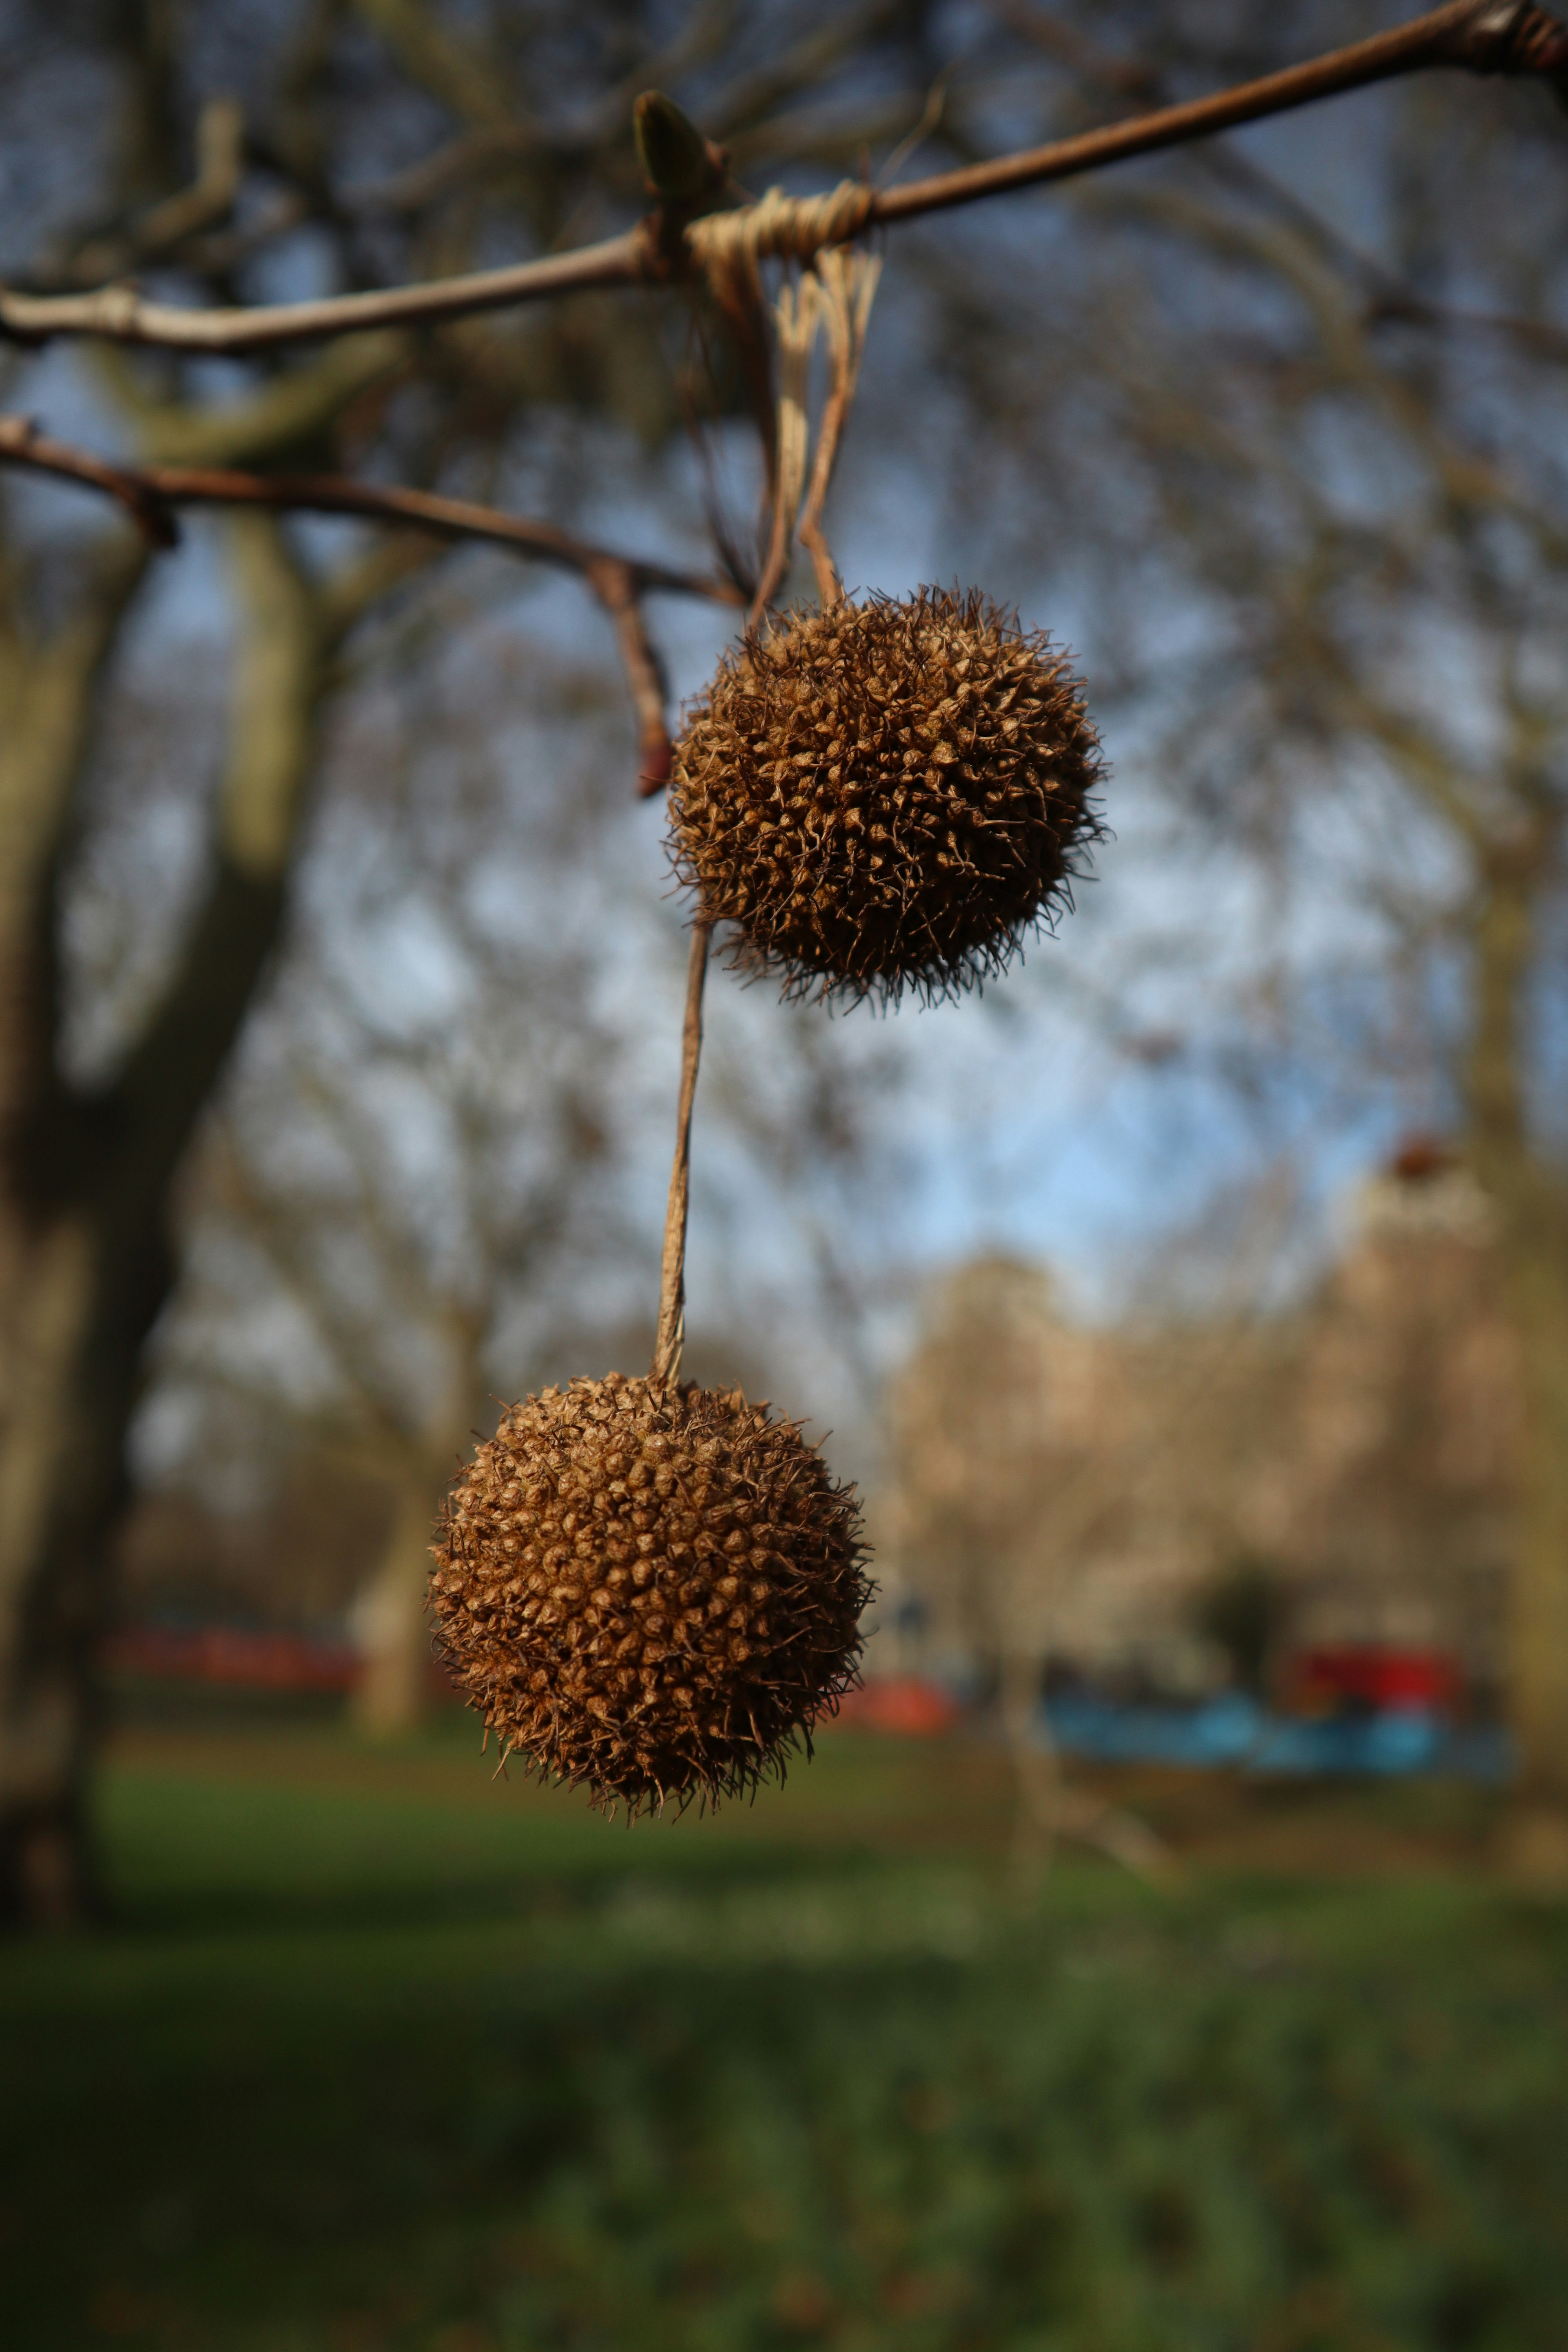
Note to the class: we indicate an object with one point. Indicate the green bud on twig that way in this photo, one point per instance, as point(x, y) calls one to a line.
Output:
point(684, 169)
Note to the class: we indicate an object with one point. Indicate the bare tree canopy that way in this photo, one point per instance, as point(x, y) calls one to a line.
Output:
point(1278, 433)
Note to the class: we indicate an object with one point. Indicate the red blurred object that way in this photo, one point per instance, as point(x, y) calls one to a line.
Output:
point(1319, 1680)
point(234, 1654)
point(1420, 1158)
point(900, 1703)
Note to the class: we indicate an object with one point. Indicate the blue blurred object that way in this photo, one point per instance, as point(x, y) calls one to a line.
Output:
point(1233, 1730)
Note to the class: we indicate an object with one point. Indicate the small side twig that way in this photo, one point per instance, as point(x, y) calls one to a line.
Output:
point(613, 582)
point(207, 200)
point(21, 444)
point(1482, 37)
point(671, 1333)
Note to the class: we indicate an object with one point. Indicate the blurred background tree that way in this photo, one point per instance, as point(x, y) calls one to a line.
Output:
point(1267, 427)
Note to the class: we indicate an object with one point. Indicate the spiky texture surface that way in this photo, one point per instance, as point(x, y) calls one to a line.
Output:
point(885, 795)
point(654, 1591)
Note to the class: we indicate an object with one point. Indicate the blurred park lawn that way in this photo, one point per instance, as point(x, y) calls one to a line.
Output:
point(380, 2056)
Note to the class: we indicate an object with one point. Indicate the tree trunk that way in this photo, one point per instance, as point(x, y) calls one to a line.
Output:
point(1530, 1205)
point(43, 1847)
point(89, 1260)
point(1037, 1777)
point(1046, 1810)
point(47, 1269)
point(391, 1618)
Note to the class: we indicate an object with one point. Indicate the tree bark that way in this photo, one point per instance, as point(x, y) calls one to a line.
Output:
point(1530, 1203)
point(89, 1182)
point(392, 1695)
point(47, 694)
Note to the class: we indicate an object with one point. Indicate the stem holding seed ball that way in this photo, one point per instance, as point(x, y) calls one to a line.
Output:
point(671, 1332)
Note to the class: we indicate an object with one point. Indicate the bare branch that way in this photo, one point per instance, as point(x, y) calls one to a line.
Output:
point(1471, 34)
point(119, 314)
point(471, 153)
point(614, 586)
point(149, 491)
point(206, 203)
point(1485, 37)
point(461, 76)
point(1467, 480)
point(619, 582)
point(21, 445)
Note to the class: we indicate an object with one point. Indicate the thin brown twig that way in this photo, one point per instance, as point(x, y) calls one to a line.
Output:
point(671, 1332)
point(1509, 36)
point(150, 491)
point(615, 584)
point(21, 444)
point(204, 203)
point(1476, 35)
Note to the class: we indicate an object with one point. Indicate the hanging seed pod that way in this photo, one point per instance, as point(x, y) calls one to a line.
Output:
point(651, 1590)
point(885, 795)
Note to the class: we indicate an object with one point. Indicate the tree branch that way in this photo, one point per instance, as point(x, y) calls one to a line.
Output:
point(47, 702)
point(1473, 35)
point(1485, 36)
point(150, 491)
point(273, 745)
point(459, 76)
point(22, 444)
point(204, 203)
point(289, 410)
point(118, 313)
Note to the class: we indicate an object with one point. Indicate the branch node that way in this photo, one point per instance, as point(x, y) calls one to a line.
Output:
point(1507, 37)
point(780, 227)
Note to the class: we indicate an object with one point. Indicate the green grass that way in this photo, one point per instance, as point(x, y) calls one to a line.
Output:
point(377, 2057)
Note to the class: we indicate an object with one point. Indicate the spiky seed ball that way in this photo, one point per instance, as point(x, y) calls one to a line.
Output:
point(651, 1590)
point(885, 795)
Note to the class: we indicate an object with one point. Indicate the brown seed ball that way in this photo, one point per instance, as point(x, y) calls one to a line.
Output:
point(651, 1590)
point(885, 795)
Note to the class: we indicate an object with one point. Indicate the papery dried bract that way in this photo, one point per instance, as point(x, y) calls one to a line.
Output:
point(654, 1591)
point(885, 795)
